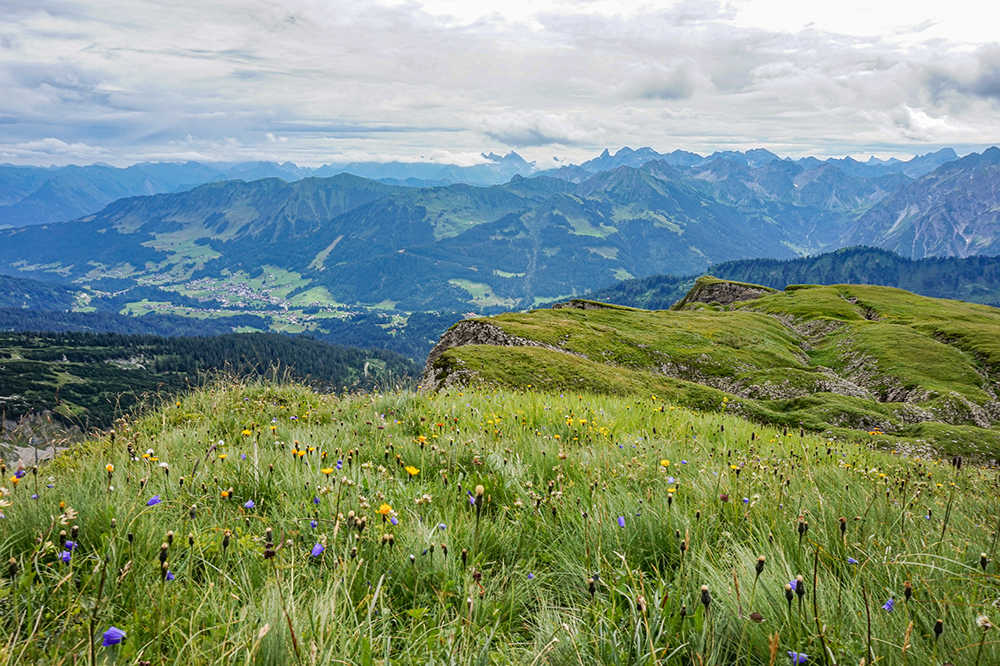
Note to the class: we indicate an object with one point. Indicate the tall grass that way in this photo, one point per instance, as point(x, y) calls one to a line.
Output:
point(600, 521)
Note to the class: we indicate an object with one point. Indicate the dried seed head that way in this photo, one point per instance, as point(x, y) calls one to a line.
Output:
point(789, 595)
point(170, 538)
point(800, 586)
point(480, 490)
point(759, 568)
point(757, 617)
point(706, 598)
point(225, 539)
point(163, 552)
point(907, 590)
point(591, 587)
point(640, 603)
point(843, 525)
point(12, 567)
point(983, 560)
point(465, 556)
point(75, 532)
point(684, 610)
point(938, 628)
point(191, 538)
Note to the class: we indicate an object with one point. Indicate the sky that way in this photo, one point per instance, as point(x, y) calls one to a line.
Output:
point(315, 82)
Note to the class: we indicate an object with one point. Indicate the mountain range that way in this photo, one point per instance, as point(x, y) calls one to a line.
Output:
point(35, 195)
point(512, 245)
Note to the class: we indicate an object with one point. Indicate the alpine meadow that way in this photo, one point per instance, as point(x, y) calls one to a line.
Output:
point(548, 333)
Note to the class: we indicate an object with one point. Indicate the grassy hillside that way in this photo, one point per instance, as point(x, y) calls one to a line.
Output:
point(270, 525)
point(922, 372)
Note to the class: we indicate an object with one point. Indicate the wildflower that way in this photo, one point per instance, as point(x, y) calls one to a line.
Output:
point(317, 550)
point(793, 583)
point(66, 556)
point(746, 500)
point(315, 500)
point(340, 464)
point(114, 635)
point(851, 560)
point(384, 510)
point(411, 470)
point(983, 622)
point(621, 521)
point(312, 524)
point(394, 520)
point(888, 606)
point(170, 575)
point(70, 545)
point(531, 576)
point(798, 657)
point(110, 468)
point(249, 505)
point(327, 470)
point(153, 501)
point(665, 463)
point(222, 456)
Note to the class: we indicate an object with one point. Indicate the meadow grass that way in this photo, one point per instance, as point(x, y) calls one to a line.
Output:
point(529, 528)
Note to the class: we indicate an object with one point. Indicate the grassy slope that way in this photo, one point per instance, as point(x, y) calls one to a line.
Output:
point(910, 359)
point(560, 474)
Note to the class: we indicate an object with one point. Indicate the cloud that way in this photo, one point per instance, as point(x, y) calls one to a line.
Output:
point(533, 128)
point(316, 82)
point(671, 81)
point(977, 74)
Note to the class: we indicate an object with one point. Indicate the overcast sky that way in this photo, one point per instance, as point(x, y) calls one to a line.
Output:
point(316, 81)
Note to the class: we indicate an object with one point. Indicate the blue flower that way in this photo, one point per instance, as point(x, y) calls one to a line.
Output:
point(153, 501)
point(746, 500)
point(34, 496)
point(684, 462)
point(851, 560)
point(621, 521)
point(318, 550)
point(19, 473)
point(340, 464)
point(472, 500)
point(315, 500)
point(671, 479)
point(170, 575)
point(394, 520)
point(442, 526)
point(66, 556)
point(798, 657)
point(531, 576)
point(113, 636)
point(243, 456)
point(312, 524)
point(249, 505)
point(793, 583)
point(70, 545)
point(888, 606)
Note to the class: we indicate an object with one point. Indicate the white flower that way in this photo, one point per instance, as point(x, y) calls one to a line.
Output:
point(164, 465)
point(149, 452)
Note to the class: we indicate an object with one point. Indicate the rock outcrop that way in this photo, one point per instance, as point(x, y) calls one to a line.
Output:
point(711, 290)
